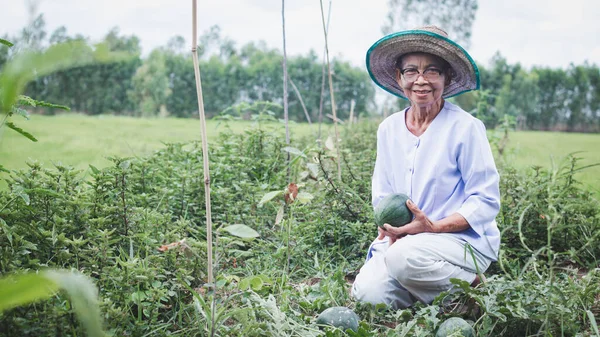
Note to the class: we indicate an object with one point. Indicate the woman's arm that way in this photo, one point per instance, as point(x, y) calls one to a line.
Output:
point(380, 184)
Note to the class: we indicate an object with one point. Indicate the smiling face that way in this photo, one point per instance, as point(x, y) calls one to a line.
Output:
point(432, 76)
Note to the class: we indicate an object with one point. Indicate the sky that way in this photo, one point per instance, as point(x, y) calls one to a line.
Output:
point(553, 33)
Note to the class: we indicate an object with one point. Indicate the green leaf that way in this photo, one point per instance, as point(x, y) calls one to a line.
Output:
point(25, 197)
point(279, 216)
point(6, 43)
point(26, 100)
point(304, 197)
point(244, 284)
point(241, 231)
point(125, 165)
point(11, 125)
point(313, 169)
point(20, 111)
point(84, 298)
point(94, 169)
point(256, 283)
point(7, 230)
point(294, 150)
point(52, 105)
point(268, 197)
point(3, 169)
point(593, 323)
point(16, 290)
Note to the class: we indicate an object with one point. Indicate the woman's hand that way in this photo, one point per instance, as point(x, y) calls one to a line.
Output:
point(420, 224)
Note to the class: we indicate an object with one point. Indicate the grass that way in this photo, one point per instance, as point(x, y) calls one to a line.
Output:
point(530, 148)
point(80, 140)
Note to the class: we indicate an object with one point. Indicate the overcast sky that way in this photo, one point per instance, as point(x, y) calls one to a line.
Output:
point(551, 33)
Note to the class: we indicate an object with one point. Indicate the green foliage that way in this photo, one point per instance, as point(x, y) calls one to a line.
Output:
point(545, 209)
point(137, 228)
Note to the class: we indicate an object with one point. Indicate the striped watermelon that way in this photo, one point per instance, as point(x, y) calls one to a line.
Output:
point(339, 317)
point(455, 326)
point(393, 210)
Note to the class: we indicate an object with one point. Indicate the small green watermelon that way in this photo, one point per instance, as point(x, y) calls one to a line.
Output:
point(393, 210)
point(455, 326)
point(339, 317)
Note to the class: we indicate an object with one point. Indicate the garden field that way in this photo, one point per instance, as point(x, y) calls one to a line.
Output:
point(284, 253)
point(80, 140)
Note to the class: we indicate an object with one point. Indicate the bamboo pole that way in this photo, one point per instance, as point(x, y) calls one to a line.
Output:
point(285, 89)
point(337, 135)
point(209, 242)
point(301, 101)
point(323, 79)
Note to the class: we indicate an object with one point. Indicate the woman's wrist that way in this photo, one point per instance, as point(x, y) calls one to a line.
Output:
point(450, 224)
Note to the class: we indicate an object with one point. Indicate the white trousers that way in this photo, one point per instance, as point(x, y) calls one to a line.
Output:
point(415, 268)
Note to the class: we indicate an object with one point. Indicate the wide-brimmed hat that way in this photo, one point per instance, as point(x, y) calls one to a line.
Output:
point(383, 54)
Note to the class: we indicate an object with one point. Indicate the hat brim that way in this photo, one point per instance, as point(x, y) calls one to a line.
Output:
point(382, 56)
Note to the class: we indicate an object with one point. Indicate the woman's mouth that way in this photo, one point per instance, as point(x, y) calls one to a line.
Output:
point(421, 92)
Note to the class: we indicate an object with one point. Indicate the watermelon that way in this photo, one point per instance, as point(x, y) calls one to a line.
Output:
point(339, 317)
point(455, 326)
point(393, 210)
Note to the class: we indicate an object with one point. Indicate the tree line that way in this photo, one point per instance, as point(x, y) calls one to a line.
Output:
point(162, 83)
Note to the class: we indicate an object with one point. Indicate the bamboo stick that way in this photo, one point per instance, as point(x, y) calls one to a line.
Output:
point(209, 243)
point(337, 134)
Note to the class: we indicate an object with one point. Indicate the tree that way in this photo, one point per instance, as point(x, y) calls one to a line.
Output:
point(129, 44)
point(454, 16)
point(151, 85)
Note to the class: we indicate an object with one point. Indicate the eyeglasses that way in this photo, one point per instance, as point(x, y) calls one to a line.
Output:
point(430, 74)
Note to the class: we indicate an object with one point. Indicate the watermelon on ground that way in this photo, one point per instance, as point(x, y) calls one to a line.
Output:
point(339, 317)
point(455, 326)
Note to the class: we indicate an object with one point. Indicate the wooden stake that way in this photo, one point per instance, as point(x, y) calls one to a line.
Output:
point(209, 243)
point(301, 101)
point(285, 89)
point(352, 104)
point(337, 134)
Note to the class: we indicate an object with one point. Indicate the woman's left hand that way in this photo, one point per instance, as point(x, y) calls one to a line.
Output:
point(420, 224)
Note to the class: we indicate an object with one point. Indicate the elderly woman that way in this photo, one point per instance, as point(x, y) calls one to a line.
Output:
point(438, 155)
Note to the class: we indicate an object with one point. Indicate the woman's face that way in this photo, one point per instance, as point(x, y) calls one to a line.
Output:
point(423, 78)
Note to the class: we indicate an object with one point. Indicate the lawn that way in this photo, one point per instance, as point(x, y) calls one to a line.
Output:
point(80, 140)
point(530, 148)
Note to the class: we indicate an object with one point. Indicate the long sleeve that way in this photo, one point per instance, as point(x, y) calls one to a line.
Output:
point(381, 185)
point(481, 179)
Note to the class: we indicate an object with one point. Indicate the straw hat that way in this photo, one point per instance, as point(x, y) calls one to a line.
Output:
point(382, 56)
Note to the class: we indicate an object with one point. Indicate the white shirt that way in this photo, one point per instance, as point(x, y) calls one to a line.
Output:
point(448, 169)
